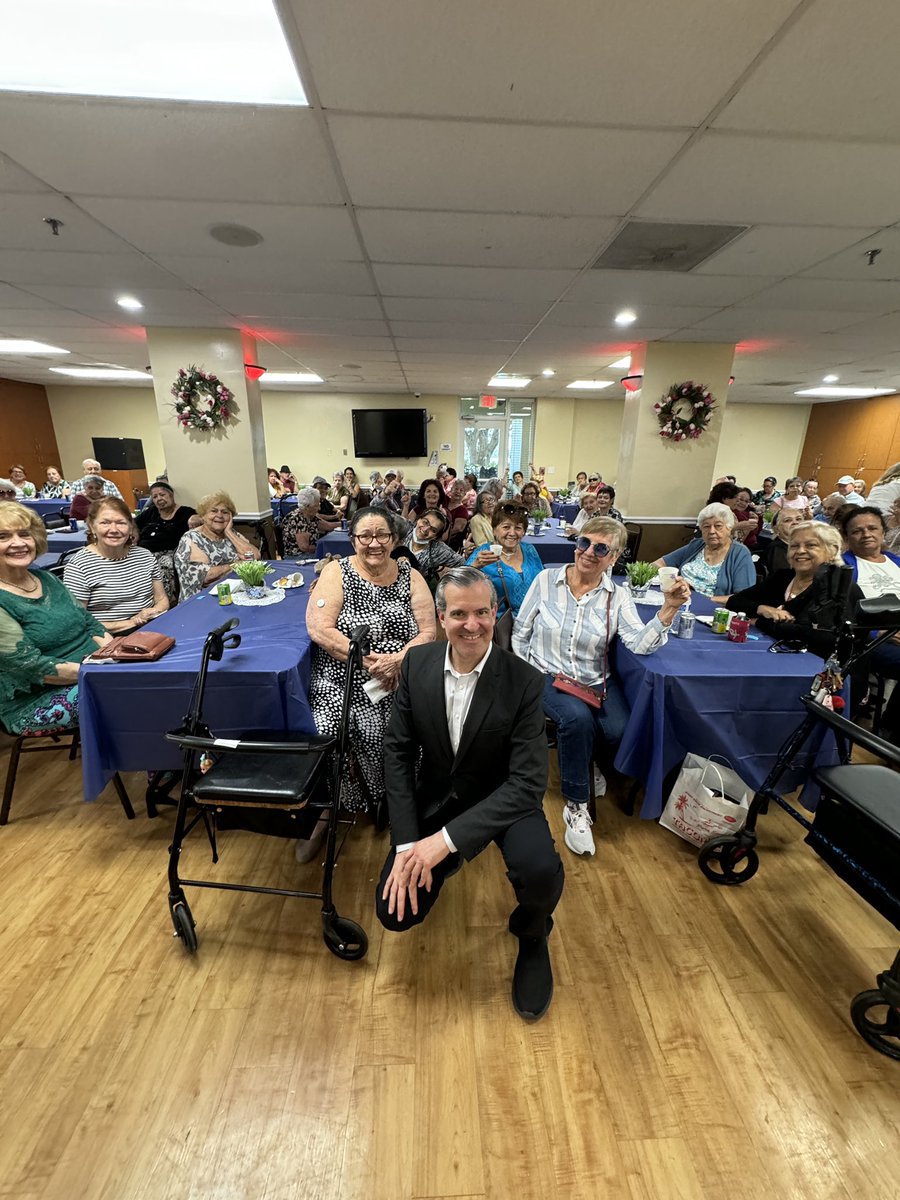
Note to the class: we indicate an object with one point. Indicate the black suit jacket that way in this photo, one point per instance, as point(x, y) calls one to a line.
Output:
point(499, 772)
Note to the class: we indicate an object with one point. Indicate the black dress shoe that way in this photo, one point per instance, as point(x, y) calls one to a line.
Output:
point(532, 987)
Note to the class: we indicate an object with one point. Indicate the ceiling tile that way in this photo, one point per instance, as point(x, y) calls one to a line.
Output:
point(838, 295)
point(778, 181)
point(527, 59)
point(251, 304)
point(473, 331)
point(251, 270)
point(183, 227)
point(498, 168)
point(769, 321)
point(471, 283)
point(779, 249)
point(483, 239)
point(491, 311)
point(830, 75)
point(158, 302)
point(855, 262)
point(166, 150)
point(632, 289)
point(601, 316)
point(114, 272)
point(23, 225)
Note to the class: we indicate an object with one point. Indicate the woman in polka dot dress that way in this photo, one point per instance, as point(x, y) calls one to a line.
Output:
point(368, 588)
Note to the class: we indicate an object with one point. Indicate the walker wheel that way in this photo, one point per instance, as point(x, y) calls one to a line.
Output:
point(725, 860)
point(184, 925)
point(881, 1031)
point(344, 938)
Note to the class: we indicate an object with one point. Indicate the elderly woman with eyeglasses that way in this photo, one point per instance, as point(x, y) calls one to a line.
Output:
point(565, 627)
point(422, 538)
point(369, 588)
point(509, 563)
point(713, 564)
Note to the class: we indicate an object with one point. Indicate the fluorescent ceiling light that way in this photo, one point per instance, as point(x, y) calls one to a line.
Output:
point(231, 52)
point(845, 393)
point(24, 346)
point(626, 317)
point(548, 372)
point(621, 364)
point(129, 302)
point(591, 385)
point(111, 373)
point(830, 378)
point(509, 381)
point(291, 377)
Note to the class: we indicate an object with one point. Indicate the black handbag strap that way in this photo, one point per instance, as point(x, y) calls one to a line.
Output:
point(505, 592)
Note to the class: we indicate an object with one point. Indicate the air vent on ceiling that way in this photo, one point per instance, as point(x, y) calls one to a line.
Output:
point(781, 383)
point(652, 246)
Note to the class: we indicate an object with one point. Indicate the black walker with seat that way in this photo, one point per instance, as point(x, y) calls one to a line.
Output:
point(275, 787)
point(856, 827)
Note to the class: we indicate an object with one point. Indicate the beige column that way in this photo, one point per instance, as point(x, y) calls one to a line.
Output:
point(232, 458)
point(657, 477)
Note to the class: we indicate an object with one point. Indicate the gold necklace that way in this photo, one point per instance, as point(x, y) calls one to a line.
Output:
point(19, 588)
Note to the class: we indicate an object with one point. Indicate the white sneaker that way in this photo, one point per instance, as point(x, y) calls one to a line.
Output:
point(578, 837)
point(599, 782)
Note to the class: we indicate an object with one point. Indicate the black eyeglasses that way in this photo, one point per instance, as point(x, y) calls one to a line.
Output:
point(598, 549)
point(366, 539)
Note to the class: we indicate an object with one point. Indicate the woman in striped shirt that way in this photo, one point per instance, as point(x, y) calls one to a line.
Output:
point(116, 581)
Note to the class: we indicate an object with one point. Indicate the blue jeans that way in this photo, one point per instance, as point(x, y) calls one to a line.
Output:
point(577, 728)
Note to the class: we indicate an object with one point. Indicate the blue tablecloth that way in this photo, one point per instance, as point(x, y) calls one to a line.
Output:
point(126, 708)
point(550, 546)
point(565, 511)
point(59, 540)
point(712, 696)
point(45, 507)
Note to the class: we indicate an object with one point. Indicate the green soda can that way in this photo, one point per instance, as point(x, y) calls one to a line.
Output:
point(224, 592)
point(720, 620)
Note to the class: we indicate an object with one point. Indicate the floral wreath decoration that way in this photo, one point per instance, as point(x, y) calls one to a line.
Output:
point(201, 400)
point(684, 411)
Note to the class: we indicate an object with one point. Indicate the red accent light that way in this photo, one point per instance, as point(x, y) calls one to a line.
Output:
point(730, 380)
point(488, 401)
point(252, 371)
point(632, 383)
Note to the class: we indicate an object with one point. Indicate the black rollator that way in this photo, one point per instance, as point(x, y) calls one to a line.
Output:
point(275, 784)
point(856, 827)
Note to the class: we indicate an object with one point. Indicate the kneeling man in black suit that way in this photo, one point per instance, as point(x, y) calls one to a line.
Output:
point(466, 764)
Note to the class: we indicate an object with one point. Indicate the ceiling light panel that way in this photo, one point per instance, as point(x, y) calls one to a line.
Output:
point(25, 346)
point(845, 393)
point(291, 377)
point(243, 56)
point(509, 381)
point(590, 385)
point(108, 373)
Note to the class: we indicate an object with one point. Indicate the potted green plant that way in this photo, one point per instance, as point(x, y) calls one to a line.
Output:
point(639, 576)
point(252, 575)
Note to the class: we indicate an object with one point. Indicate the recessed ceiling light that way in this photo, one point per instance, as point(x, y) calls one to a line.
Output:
point(830, 378)
point(24, 346)
point(101, 373)
point(590, 385)
point(291, 377)
point(129, 302)
point(626, 317)
point(509, 381)
point(621, 364)
point(845, 393)
point(102, 49)
point(548, 372)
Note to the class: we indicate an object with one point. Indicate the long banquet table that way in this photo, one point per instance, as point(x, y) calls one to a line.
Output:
point(712, 696)
point(45, 508)
point(126, 708)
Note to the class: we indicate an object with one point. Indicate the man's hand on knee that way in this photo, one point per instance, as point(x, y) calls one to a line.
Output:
point(422, 858)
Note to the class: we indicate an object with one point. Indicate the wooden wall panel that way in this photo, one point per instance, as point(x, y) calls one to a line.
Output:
point(26, 430)
point(859, 438)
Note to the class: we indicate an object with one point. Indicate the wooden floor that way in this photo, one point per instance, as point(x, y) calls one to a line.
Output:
point(699, 1043)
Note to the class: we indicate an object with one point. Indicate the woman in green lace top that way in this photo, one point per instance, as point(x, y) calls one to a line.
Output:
point(44, 634)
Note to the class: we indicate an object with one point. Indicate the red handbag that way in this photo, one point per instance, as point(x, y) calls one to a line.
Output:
point(594, 696)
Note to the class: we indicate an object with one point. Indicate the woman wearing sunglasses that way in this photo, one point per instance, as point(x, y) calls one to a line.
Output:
point(564, 628)
point(508, 562)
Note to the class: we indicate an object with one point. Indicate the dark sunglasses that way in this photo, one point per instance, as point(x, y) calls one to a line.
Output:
point(598, 549)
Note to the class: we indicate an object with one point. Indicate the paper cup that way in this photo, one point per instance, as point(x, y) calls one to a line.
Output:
point(666, 577)
point(496, 548)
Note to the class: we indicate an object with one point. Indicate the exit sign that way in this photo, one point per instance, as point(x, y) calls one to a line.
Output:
point(488, 401)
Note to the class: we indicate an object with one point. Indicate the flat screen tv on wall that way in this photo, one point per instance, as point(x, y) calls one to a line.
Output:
point(390, 432)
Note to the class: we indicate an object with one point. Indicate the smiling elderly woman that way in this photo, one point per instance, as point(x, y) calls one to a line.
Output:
point(565, 626)
point(207, 554)
point(44, 634)
point(713, 564)
point(303, 527)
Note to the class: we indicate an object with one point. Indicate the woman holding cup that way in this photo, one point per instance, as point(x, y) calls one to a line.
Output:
point(509, 563)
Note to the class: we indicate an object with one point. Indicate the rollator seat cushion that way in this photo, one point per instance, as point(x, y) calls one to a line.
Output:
point(859, 813)
point(261, 778)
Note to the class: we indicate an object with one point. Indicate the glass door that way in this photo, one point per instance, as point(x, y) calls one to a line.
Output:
point(497, 439)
